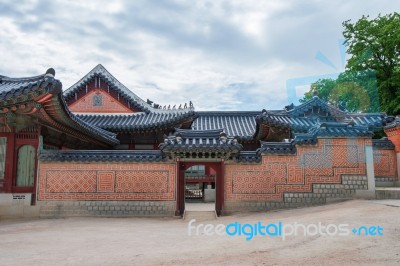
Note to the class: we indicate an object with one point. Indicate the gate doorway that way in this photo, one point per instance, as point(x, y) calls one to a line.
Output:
point(200, 182)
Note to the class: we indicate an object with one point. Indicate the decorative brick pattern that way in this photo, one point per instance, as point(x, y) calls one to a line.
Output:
point(325, 163)
point(105, 182)
point(295, 174)
point(385, 163)
point(113, 181)
point(108, 105)
point(332, 169)
point(58, 181)
point(394, 136)
point(142, 181)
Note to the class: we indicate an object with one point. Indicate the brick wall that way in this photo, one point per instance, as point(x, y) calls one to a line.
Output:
point(294, 180)
point(106, 181)
point(109, 104)
point(333, 169)
point(106, 189)
point(394, 135)
point(385, 165)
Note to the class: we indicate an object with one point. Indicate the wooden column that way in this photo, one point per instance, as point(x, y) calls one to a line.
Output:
point(10, 163)
point(219, 186)
point(180, 188)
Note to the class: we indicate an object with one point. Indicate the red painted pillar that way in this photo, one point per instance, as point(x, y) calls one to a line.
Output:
point(220, 189)
point(10, 163)
point(180, 191)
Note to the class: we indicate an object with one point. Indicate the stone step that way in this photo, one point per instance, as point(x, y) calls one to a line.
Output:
point(387, 193)
point(199, 215)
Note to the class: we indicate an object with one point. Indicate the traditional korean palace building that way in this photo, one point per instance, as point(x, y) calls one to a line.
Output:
point(99, 149)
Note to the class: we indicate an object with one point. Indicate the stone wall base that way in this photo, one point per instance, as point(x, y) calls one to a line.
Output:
point(385, 181)
point(387, 193)
point(352, 187)
point(58, 209)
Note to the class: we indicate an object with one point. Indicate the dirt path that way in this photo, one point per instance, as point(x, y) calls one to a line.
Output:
point(153, 241)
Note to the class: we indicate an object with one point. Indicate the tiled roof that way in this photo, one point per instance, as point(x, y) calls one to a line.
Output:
point(374, 121)
point(383, 143)
point(101, 156)
point(326, 129)
point(20, 90)
point(277, 148)
point(89, 128)
point(124, 92)
point(297, 124)
point(44, 91)
point(138, 121)
point(310, 105)
point(302, 118)
point(234, 123)
point(394, 122)
point(248, 157)
point(201, 143)
point(331, 129)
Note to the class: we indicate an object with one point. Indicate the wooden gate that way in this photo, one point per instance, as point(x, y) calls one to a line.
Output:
point(26, 166)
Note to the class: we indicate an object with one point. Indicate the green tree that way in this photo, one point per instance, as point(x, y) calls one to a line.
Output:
point(373, 69)
point(354, 91)
point(374, 44)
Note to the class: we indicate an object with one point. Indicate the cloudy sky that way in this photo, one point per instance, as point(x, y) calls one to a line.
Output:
point(222, 55)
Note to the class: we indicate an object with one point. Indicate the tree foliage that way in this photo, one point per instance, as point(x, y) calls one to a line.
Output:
point(373, 68)
point(352, 91)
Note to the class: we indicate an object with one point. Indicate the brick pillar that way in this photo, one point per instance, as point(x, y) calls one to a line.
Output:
point(392, 131)
point(10, 163)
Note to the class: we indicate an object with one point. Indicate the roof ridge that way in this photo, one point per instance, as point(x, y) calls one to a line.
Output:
point(228, 112)
point(5, 78)
point(101, 70)
point(311, 101)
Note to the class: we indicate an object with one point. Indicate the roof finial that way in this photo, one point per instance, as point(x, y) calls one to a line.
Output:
point(315, 94)
point(50, 72)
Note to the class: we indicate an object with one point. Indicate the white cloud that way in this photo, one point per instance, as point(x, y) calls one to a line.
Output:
point(222, 55)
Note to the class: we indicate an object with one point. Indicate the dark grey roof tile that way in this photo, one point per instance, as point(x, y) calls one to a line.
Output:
point(383, 143)
point(234, 123)
point(102, 156)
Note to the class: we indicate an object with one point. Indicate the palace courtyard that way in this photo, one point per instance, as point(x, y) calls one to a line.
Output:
point(165, 241)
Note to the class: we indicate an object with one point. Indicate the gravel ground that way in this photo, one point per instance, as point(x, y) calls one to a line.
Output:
point(165, 241)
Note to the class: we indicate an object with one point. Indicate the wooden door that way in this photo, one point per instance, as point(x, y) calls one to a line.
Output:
point(26, 166)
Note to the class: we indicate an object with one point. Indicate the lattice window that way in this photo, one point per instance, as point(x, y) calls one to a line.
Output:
point(3, 146)
point(97, 100)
